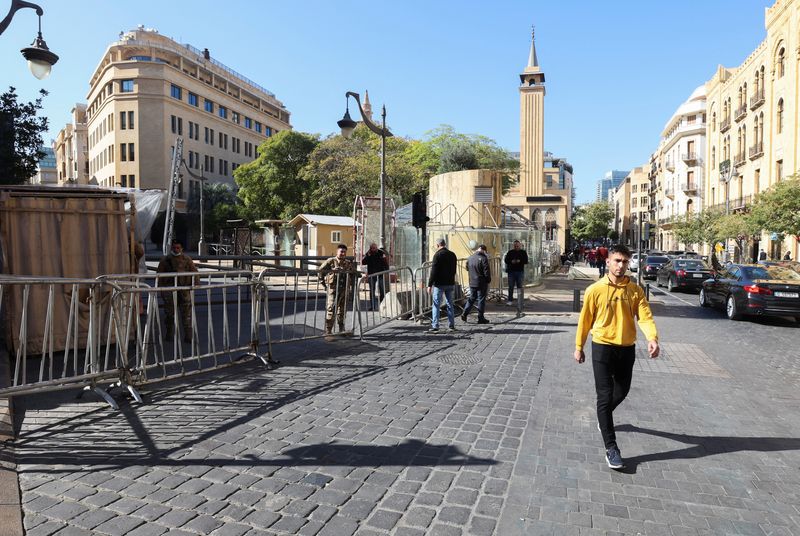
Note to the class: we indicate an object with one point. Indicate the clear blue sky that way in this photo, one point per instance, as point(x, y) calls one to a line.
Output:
point(616, 71)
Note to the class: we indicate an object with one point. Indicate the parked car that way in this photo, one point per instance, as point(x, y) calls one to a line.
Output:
point(683, 274)
point(652, 264)
point(753, 289)
point(634, 264)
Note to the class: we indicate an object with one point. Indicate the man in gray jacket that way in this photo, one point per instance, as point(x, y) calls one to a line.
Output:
point(480, 275)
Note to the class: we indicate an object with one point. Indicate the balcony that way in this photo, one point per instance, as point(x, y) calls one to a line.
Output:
point(741, 111)
point(669, 164)
point(725, 124)
point(757, 100)
point(669, 192)
point(690, 158)
point(739, 159)
point(756, 150)
point(690, 188)
point(740, 203)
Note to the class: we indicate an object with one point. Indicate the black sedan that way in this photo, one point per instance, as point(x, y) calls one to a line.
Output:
point(751, 289)
point(683, 274)
point(652, 264)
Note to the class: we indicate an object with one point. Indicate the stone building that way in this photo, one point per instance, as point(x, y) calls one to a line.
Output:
point(148, 90)
point(631, 204)
point(71, 148)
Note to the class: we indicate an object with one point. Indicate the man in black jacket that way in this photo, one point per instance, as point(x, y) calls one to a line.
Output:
point(480, 275)
point(442, 282)
point(375, 260)
point(515, 260)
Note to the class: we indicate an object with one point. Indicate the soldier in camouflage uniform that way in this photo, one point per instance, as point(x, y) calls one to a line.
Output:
point(177, 261)
point(338, 275)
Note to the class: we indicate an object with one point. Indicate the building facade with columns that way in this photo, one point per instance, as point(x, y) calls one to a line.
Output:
point(631, 204)
point(71, 148)
point(753, 124)
point(148, 90)
point(544, 192)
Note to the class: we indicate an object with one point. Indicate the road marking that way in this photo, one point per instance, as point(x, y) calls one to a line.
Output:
point(665, 293)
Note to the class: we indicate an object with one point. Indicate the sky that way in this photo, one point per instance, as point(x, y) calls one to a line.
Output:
point(615, 71)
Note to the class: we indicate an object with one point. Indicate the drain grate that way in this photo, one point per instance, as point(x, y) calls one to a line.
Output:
point(458, 359)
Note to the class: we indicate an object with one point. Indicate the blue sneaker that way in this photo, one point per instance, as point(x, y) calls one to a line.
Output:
point(614, 459)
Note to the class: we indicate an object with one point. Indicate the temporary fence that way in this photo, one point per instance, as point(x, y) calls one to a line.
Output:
point(386, 296)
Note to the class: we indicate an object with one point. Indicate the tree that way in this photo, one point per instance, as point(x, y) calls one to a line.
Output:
point(738, 227)
point(777, 210)
point(591, 221)
point(220, 204)
point(271, 186)
point(20, 137)
point(699, 228)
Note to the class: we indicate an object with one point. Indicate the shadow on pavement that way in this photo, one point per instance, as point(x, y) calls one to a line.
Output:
point(702, 446)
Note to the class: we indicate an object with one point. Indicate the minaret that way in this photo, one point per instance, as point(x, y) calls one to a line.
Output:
point(531, 119)
point(366, 105)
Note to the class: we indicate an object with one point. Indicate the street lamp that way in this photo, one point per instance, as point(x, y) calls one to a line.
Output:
point(348, 125)
point(729, 173)
point(40, 59)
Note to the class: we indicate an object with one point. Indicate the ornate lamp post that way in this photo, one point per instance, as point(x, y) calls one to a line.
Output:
point(40, 59)
point(727, 173)
point(348, 125)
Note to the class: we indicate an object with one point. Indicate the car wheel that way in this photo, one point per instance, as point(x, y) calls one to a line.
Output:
point(670, 286)
point(704, 298)
point(731, 310)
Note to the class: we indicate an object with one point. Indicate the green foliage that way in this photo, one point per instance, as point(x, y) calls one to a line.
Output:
point(220, 204)
point(271, 186)
point(20, 137)
point(592, 221)
point(777, 210)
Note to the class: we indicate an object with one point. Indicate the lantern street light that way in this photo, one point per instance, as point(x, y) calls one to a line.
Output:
point(40, 58)
point(348, 125)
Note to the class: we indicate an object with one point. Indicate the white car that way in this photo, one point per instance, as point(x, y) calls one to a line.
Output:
point(634, 264)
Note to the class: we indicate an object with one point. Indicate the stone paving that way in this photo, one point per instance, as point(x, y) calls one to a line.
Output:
point(490, 430)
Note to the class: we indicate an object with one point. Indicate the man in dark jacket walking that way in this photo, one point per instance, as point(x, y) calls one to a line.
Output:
point(480, 275)
point(515, 260)
point(442, 283)
point(376, 262)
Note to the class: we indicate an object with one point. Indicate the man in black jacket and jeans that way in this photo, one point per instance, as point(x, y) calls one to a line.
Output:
point(442, 282)
point(480, 275)
point(516, 259)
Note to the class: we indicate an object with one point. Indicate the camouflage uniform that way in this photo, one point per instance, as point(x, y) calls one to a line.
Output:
point(338, 287)
point(177, 263)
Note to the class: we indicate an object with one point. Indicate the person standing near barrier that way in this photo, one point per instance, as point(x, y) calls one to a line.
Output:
point(515, 260)
point(376, 261)
point(609, 308)
point(177, 262)
point(338, 275)
point(442, 282)
point(480, 275)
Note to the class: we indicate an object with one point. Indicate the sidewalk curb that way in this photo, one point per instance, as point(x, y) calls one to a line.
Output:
point(10, 503)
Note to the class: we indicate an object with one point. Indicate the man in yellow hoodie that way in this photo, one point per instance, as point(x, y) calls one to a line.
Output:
point(609, 308)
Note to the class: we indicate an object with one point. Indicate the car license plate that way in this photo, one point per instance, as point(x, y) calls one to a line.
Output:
point(779, 294)
point(697, 275)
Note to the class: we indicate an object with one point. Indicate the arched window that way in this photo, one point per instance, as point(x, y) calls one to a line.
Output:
point(755, 131)
point(713, 158)
point(780, 62)
point(743, 149)
point(779, 117)
point(713, 121)
point(761, 127)
point(725, 110)
point(761, 77)
point(740, 98)
point(536, 218)
point(738, 143)
point(730, 108)
point(550, 225)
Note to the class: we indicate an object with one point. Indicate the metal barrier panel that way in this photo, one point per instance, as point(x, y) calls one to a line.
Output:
point(424, 301)
point(60, 333)
point(385, 296)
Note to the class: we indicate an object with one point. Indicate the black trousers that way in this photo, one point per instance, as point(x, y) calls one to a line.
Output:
point(613, 369)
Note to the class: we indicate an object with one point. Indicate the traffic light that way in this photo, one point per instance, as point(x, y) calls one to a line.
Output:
point(419, 210)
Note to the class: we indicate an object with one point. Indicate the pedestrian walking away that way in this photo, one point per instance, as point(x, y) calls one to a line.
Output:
point(338, 275)
point(602, 255)
point(609, 308)
point(480, 275)
point(376, 261)
point(177, 262)
point(788, 256)
point(515, 260)
point(442, 282)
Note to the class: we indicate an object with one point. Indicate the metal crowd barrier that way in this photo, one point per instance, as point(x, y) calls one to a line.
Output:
point(385, 296)
point(424, 301)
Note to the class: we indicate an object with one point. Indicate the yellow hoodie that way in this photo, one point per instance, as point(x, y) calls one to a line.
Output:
point(609, 310)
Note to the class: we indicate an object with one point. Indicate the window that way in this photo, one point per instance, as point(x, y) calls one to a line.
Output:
point(779, 170)
point(205, 135)
point(122, 121)
point(176, 92)
point(779, 63)
point(131, 154)
point(191, 130)
point(123, 181)
point(223, 112)
point(211, 164)
point(173, 121)
point(209, 106)
point(336, 237)
point(205, 162)
point(235, 117)
point(126, 86)
point(193, 100)
point(248, 123)
point(779, 117)
point(713, 121)
point(191, 154)
point(132, 181)
point(691, 119)
point(130, 120)
point(258, 127)
point(123, 152)
point(268, 131)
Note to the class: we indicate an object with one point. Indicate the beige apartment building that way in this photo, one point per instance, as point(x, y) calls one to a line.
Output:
point(544, 192)
point(680, 177)
point(148, 90)
point(71, 148)
point(753, 123)
point(631, 204)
